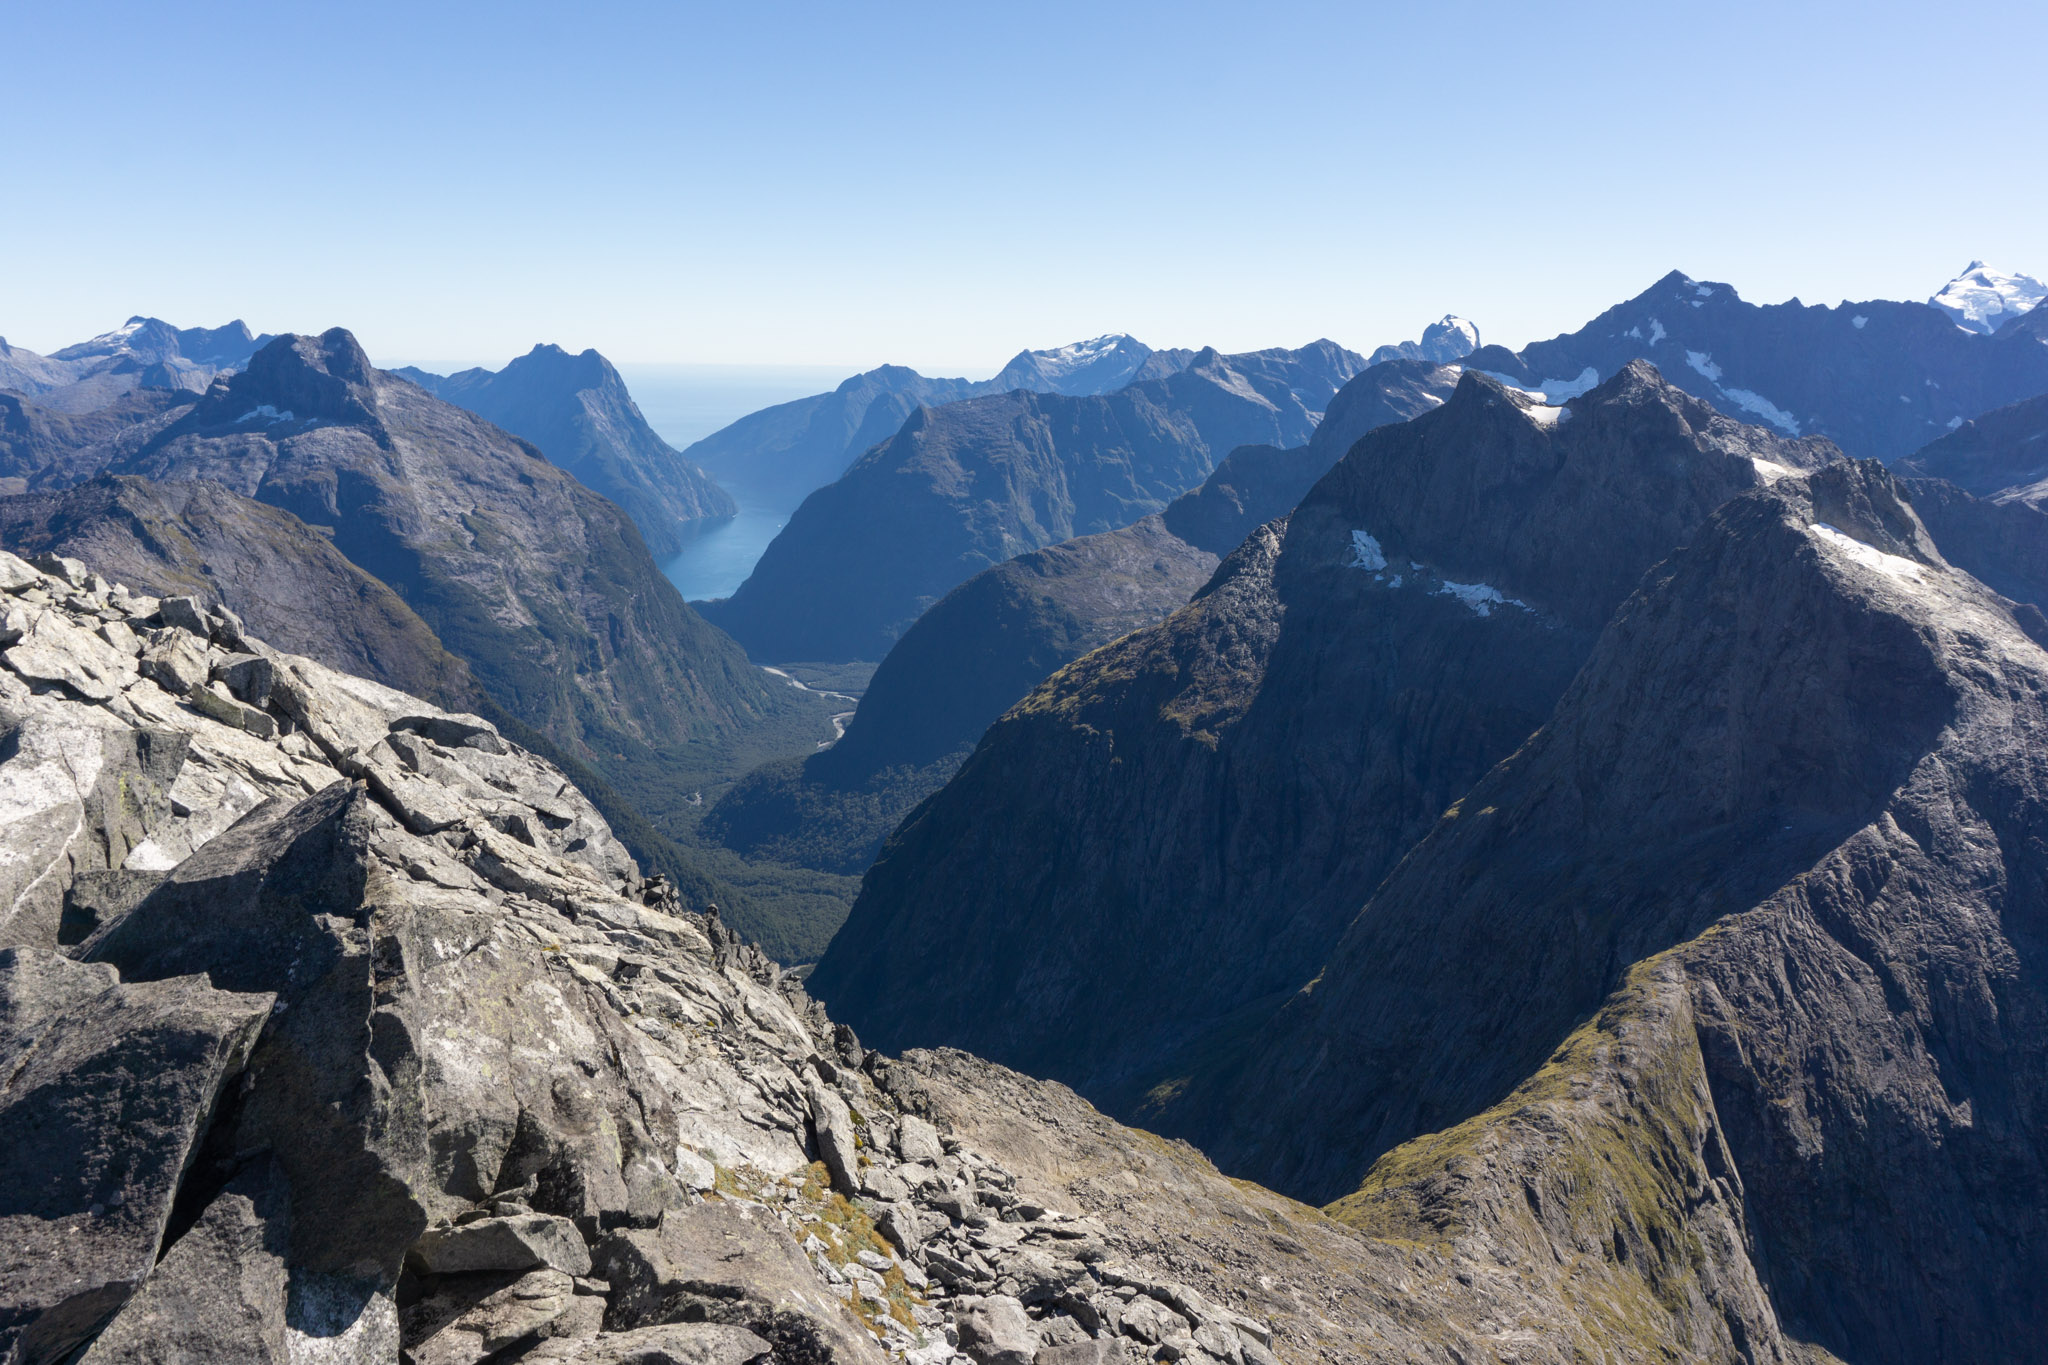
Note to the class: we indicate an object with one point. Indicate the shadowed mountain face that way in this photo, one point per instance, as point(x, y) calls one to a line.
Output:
point(1803, 775)
point(968, 485)
point(1881, 379)
point(287, 583)
point(2002, 454)
point(577, 410)
point(544, 588)
point(143, 353)
point(1170, 833)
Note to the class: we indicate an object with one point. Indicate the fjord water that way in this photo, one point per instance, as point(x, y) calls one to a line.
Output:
point(685, 403)
point(718, 555)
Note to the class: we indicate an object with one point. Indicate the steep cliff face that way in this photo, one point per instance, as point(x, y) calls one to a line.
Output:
point(289, 584)
point(966, 486)
point(543, 588)
point(577, 410)
point(1802, 776)
point(1169, 834)
point(336, 1027)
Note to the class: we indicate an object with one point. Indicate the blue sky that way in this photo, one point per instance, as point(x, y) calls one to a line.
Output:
point(938, 185)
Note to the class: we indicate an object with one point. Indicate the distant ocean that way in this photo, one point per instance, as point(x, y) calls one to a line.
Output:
point(685, 403)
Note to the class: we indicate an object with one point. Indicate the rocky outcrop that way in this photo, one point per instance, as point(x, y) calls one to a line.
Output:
point(285, 581)
point(398, 1057)
point(966, 486)
point(1169, 835)
point(577, 410)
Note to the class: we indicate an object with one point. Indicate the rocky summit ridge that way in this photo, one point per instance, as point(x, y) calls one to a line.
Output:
point(338, 1028)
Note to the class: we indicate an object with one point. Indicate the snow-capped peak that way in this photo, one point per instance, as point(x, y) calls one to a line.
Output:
point(1076, 354)
point(1983, 299)
point(115, 339)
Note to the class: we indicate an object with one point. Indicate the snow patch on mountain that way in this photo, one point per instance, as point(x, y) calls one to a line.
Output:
point(1982, 299)
point(1869, 556)
point(1366, 552)
point(1069, 358)
point(1482, 598)
point(1749, 400)
point(1551, 391)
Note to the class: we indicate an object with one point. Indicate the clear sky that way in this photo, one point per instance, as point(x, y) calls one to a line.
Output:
point(940, 184)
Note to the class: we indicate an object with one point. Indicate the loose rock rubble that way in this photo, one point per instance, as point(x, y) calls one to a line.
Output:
point(411, 1063)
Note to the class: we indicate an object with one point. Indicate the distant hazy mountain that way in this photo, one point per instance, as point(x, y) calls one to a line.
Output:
point(141, 353)
point(975, 482)
point(783, 452)
point(1982, 299)
point(577, 410)
point(1102, 365)
point(1879, 378)
point(1448, 339)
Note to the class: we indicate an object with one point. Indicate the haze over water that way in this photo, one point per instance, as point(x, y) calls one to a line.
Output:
point(685, 403)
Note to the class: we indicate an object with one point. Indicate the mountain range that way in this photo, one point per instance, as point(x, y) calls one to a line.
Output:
point(1177, 827)
point(1672, 882)
point(141, 353)
point(1880, 379)
point(406, 539)
point(1549, 846)
point(412, 1063)
point(974, 482)
point(577, 410)
point(988, 642)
